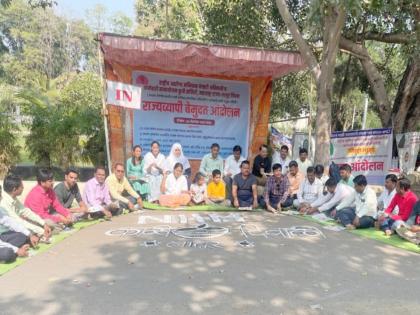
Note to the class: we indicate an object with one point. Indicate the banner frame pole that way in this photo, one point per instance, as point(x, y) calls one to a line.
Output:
point(104, 105)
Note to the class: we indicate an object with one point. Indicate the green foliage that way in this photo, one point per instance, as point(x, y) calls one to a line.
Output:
point(33, 3)
point(174, 19)
point(9, 149)
point(121, 24)
point(69, 130)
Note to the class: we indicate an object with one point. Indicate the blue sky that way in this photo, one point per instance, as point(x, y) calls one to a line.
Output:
point(77, 8)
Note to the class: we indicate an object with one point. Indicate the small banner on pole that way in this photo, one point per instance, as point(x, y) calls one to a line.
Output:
point(368, 152)
point(124, 95)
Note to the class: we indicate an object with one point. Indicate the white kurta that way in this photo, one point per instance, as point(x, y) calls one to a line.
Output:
point(175, 186)
point(154, 176)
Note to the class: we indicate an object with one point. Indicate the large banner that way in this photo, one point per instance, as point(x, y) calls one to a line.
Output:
point(195, 112)
point(369, 152)
point(408, 145)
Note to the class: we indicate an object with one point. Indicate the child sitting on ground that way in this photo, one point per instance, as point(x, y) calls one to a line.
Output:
point(198, 190)
point(216, 190)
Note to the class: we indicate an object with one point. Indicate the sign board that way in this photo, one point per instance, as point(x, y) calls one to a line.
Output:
point(195, 112)
point(124, 95)
point(369, 152)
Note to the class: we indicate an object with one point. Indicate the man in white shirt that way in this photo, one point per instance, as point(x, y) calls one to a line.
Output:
point(303, 161)
point(339, 196)
point(309, 191)
point(282, 158)
point(14, 238)
point(364, 213)
point(232, 168)
point(319, 173)
point(389, 192)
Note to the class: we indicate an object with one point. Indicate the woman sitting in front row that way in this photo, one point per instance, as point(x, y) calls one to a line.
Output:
point(174, 188)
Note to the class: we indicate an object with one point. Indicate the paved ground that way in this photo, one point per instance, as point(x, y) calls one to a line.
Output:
point(154, 268)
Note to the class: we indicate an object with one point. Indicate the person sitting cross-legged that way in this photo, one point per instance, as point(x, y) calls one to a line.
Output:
point(43, 201)
point(389, 192)
point(319, 173)
point(262, 166)
point(9, 252)
point(415, 218)
point(364, 213)
point(97, 198)
point(136, 174)
point(405, 200)
point(309, 190)
point(339, 196)
point(281, 158)
point(121, 191)
point(199, 190)
point(296, 178)
point(303, 161)
point(13, 188)
point(346, 176)
point(14, 238)
point(244, 188)
point(232, 167)
point(211, 161)
point(276, 190)
point(174, 188)
point(68, 194)
point(216, 190)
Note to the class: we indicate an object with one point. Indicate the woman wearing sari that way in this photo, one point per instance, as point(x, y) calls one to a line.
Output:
point(154, 162)
point(135, 173)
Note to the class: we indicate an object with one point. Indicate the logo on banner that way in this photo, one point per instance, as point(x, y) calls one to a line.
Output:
point(124, 95)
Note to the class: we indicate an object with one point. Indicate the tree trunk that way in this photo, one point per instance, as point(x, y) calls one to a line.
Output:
point(413, 121)
point(323, 74)
point(406, 100)
point(333, 24)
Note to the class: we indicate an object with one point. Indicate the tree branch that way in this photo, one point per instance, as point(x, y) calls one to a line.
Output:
point(392, 38)
point(375, 78)
point(304, 48)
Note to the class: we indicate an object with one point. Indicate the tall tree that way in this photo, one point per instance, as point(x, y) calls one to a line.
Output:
point(331, 15)
point(392, 29)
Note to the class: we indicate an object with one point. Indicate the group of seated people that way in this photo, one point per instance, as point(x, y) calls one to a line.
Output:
point(271, 183)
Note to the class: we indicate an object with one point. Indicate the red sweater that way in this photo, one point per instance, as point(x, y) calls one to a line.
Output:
point(405, 204)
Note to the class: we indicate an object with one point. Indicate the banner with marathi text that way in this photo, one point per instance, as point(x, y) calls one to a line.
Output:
point(369, 152)
point(195, 112)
